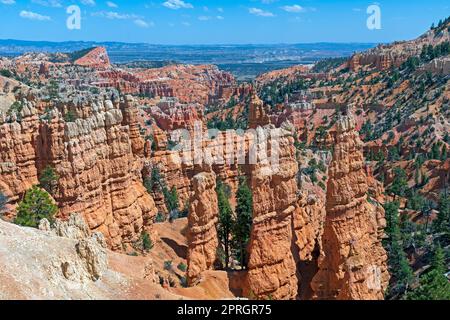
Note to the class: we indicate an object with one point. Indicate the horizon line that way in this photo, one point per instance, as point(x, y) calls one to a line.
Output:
point(198, 44)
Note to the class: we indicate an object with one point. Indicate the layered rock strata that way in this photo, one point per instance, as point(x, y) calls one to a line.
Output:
point(271, 267)
point(202, 232)
point(99, 167)
point(97, 160)
point(354, 263)
point(18, 137)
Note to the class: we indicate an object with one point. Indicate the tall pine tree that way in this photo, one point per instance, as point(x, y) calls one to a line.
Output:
point(244, 220)
point(402, 274)
point(226, 221)
point(434, 285)
point(35, 206)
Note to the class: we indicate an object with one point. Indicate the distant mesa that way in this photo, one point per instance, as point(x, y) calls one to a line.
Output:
point(96, 57)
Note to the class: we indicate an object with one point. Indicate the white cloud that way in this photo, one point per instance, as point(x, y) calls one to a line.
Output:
point(88, 2)
point(260, 12)
point(8, 1)
point(220, 17)
point(33, 16)
point(294, 8)
point(48, 3)
point(114, 15)
point(177, 4)
point(204, 18)
point(143, 24)
point(111, 4)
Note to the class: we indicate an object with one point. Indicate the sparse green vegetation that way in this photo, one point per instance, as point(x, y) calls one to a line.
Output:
point(244, 220)
point(35, 206)
point(147, 243)
point(182, 267)
point(226, 221)
point(48, 179)
point(3, 201)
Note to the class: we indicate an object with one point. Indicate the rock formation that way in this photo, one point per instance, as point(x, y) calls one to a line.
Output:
point(99, 167)
point(257, 113)
point(38, 264)
point(271, 267)
point(96, 58)
point(190, 84)
point(307, 222)
point(202, 232)
point(18, 170)
point(354, 263)
point(98, 160)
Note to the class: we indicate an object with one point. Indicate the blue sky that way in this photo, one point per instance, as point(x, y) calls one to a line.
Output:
point(219, 21)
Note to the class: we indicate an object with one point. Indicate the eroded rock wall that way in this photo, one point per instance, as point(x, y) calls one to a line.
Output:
point(18, 170)
point(97, 160)
point(353, 265)
point(202, 226)
point(271, 267)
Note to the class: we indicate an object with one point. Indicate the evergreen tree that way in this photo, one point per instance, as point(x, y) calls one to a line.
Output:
point(442, 223)
point(400, 183)
point(3, 201)
point(147, 243)
point(225, 224)
point(171, 200)
point(244, 220)
point(48, 180)
point(434, 285)
point(155, 182)
point(402, 274)
point(35, 206)
point(444, 153)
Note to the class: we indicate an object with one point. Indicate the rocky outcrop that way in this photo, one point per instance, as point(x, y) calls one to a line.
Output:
point(308, 221)
point(171, 115)
point(353, 265)
point(98, 159)
point(271, 267)
point(74, 228)
point(257, 113)
point(18, 135)
point(37, 264)
point(190, 84)
point(202, 233)
point(99, 167)
point(96, 58)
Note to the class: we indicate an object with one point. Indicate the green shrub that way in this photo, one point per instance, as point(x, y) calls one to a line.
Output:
point(6, 73)
point(183, 282)
point(160, 217)
point(147, 243)
point(3, 201)
point(168, 265)
point(70, 116)
point(49, 179)
point(35, 206)
point(181, 266)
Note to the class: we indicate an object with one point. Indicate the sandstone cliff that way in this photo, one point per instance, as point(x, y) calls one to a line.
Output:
point(18, 170)
point(202, 233)
point(354, 263)
point(98, 161)
point(99, 165)
point(271, 267)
